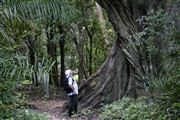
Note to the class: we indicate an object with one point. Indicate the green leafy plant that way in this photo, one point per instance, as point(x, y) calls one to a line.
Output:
point(129, 109)
point(158, 49)
point(12, 70)
point(44, 68)
point(30, 115)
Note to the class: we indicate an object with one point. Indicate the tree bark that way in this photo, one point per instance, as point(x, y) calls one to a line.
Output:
point(90, 50)
point(52, 51)
point(79, 43)
point(32, 56)
point(103, 25)
point(116, 78)
point(62, 54)
point(113, 81)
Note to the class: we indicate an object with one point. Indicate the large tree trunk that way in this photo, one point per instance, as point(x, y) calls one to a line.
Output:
point(116, 77)
point(113, 81)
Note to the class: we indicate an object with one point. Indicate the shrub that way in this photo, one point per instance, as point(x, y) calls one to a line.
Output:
point(159, 44)
point(30, 115)
point(128, 109)
point(10, 99)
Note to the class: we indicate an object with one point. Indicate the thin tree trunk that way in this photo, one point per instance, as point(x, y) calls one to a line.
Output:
point(79, 48)
point(62, 55)
point(53, 56)
point(55, 67)
point(80, 51)
point(32, 56)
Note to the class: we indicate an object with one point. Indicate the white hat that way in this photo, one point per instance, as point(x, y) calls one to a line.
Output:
point(68, 73)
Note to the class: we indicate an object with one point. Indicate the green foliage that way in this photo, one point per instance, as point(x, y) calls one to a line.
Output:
point(10, 102)
point(88, 114)
point(158, 48)
point(42, 73)
point(42, 11)
point(14, 67)
point(99, 52)
point(139, 109)
point(30, 115)
point(30, 22)
point(158, 45)
point(12, 70)
point(129, 109)
point(76, 77)
point(26, 82)
point(99, 46)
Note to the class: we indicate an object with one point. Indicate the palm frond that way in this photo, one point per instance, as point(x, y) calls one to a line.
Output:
point(23, 16)
point(42, 11)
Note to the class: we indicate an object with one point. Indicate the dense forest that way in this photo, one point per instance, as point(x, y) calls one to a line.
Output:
point(124, 54)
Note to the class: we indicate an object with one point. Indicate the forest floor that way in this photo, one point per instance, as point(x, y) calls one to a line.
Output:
point(55, 106)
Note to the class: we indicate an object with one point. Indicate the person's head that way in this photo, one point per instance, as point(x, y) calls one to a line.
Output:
point(68, 73)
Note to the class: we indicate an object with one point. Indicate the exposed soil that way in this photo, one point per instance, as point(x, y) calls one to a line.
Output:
point(55, 106)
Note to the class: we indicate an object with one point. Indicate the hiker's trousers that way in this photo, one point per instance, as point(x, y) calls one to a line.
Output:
point(73, 104)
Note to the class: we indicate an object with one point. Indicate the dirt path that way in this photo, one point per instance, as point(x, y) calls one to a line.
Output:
point(54, 109)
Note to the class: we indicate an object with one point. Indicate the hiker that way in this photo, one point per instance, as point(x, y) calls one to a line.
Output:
point(73, 93)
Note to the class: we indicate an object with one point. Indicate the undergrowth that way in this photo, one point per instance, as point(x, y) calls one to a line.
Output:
point(128, 109)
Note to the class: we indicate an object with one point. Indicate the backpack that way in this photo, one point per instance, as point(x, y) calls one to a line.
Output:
point(67, 88)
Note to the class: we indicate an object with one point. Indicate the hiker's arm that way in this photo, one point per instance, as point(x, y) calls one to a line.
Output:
point(71, 87)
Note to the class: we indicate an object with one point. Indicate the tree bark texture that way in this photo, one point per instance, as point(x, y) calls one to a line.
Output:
point(62, 54)
point(90, 50)
point(110, 83)
point(52, 51)
point(103, 25)
point(32, 56)
point(79, 43)
point(116, 78)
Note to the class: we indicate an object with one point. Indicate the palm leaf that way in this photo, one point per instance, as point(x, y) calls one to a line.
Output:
point(19, 17)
